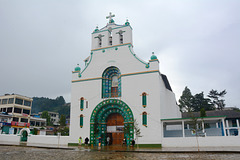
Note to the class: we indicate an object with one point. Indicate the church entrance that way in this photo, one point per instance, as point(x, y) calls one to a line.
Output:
point(115, 128)
point(114, 119)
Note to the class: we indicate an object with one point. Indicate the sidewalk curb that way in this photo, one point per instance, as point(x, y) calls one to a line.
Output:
point(217, 152)
point(15, 145)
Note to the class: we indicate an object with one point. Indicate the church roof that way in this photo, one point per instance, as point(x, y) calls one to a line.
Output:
point(165, 80)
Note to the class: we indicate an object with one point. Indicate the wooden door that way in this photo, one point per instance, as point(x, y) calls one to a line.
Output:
point(116, 119)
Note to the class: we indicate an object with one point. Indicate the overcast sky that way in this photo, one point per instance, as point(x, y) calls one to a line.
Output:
point(197, 42)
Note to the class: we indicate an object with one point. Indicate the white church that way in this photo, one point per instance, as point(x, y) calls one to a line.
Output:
point(117, 88)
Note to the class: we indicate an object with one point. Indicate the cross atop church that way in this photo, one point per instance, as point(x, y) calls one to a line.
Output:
point(110, 17)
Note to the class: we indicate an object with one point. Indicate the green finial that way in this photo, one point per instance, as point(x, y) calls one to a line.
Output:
point(96, 29)
point(153, 57)
point(127, 23)
point(77, 69)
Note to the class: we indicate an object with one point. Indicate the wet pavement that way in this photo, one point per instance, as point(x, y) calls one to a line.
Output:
point(33, 153)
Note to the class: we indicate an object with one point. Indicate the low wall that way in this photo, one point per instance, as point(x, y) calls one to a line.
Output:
point(218, 141)
point(41, 140)
point(48, 140)
point(9, 139)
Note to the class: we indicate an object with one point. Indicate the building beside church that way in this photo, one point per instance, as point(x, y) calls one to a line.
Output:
point(19, 108)
point(117, 88)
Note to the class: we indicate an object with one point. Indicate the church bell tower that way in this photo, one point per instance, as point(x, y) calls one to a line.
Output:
point(112, 34)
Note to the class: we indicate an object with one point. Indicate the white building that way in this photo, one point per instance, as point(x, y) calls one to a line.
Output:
point(19, 108)
point(54, 117)
point(116, 88)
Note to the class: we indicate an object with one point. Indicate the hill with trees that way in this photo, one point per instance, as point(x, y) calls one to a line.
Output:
point(58, 105)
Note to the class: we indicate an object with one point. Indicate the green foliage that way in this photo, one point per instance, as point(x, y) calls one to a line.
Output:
point(190, 103)
point(55, 105)
point(63, 130)
point(202, 112)
point(137, 130)
point(215, 97)
point(62, 120)
point(185, 101)
point(199, 102)
point(35, 131)
point(47, 117)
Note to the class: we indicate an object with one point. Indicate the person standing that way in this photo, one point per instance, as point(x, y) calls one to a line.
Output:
point(123, 142)
point(80, 141)
point(108, 140)
point(86, 141)
point(133, 143)
point(99, 141)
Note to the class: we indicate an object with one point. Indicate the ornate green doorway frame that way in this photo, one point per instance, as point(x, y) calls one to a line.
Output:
point(98, 125)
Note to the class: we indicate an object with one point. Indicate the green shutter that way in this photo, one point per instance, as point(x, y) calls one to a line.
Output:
point(81, 120)
point(144, 119)
point(144, 100)
point(81, 104)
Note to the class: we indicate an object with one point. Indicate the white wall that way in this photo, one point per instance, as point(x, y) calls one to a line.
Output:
point(219, 141)
point(9, 139)
point(48, 140)
point(35, 140)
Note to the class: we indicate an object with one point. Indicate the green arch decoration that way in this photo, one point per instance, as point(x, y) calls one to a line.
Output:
point(98, 125)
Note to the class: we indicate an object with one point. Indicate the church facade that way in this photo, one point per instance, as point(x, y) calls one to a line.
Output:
point(117, 92)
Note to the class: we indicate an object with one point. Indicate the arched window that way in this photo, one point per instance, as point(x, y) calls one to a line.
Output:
point(110, 36)
point(144, 118)
point(81, 120)
point(81, 103)
point(144, 99)
point(121, 38)
point(111, 83)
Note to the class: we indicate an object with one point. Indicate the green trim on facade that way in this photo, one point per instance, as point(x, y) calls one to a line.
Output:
point(107, 76)
point(126, 44)
point(98, 126)
point(191, 118)
point(149, 145)
point(146, 64)
point(73, 144)
point(123, 75)
point(131, 74)
point(112, 29)
point(88, 63)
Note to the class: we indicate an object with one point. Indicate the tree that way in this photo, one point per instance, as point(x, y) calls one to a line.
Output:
point(202, 112)
point(216, 101)
point(47, 117)
point(60, 100)
point(199, 102)
point(137, 131)
point(62, 120)
point(185, 101)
